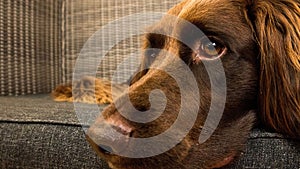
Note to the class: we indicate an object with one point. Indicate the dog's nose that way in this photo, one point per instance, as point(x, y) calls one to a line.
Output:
point(110, 135)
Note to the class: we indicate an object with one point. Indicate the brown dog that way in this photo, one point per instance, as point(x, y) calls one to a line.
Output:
point(258, 42)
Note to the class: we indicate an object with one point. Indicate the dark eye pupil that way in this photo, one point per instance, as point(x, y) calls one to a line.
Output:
point(211, 49)
point(211, 46)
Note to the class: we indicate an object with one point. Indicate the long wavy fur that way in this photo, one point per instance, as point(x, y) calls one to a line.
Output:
point(276, 25)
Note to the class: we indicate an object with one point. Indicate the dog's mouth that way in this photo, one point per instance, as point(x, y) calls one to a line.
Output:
point(111, 139)
point(105, 150)
point(104, 139)
point(116, 161)
point(106, 153)
point(113, 148)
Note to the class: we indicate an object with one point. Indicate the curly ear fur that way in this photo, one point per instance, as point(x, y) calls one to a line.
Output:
point(276, 25)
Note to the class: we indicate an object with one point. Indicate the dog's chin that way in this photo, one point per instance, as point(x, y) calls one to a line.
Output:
point(126, 166)
point(165, 160)
point(226, 143)
point(152, 162)
point(118, 162)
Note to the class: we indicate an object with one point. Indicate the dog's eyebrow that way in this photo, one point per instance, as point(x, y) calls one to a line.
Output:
point(189, 34)
point(218, 18)
point(233, 32)
point(154, 40)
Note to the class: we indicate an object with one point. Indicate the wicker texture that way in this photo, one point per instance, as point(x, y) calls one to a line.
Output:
point(85, 17)
point(30, 46)
point(40, 39)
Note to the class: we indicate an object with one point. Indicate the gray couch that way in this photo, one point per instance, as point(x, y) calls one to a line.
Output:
point(39, 43)
point(39, 133)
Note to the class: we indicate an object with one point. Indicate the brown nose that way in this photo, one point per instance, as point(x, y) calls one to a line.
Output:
point(110, 135)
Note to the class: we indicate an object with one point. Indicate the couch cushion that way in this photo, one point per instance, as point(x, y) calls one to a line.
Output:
point(37, 132)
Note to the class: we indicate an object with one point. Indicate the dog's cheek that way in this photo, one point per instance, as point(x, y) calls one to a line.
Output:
point(225, 144)
point(225, 161)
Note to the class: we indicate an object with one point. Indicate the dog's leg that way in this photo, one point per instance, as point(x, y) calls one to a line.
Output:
point(87, 90)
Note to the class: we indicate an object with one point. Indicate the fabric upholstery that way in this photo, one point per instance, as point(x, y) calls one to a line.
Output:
point(36, 132)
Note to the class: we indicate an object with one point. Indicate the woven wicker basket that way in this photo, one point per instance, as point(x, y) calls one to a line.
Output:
point(40, 40)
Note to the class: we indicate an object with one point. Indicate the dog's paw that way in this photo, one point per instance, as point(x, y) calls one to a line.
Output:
point(87, 90)
point(92, 90)
point(63, 93)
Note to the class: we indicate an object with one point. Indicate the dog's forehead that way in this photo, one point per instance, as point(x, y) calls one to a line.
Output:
point(193, 4)
point(203, 10)
point(219, 17)
point(222, 18)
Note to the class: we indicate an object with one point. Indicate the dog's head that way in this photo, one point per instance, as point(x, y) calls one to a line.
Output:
point(259, 48)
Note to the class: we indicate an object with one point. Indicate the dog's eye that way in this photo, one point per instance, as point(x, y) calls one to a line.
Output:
point(210, 49)
point(152, 53)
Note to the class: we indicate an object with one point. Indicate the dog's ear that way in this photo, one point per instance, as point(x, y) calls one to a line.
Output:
point(276, 26)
